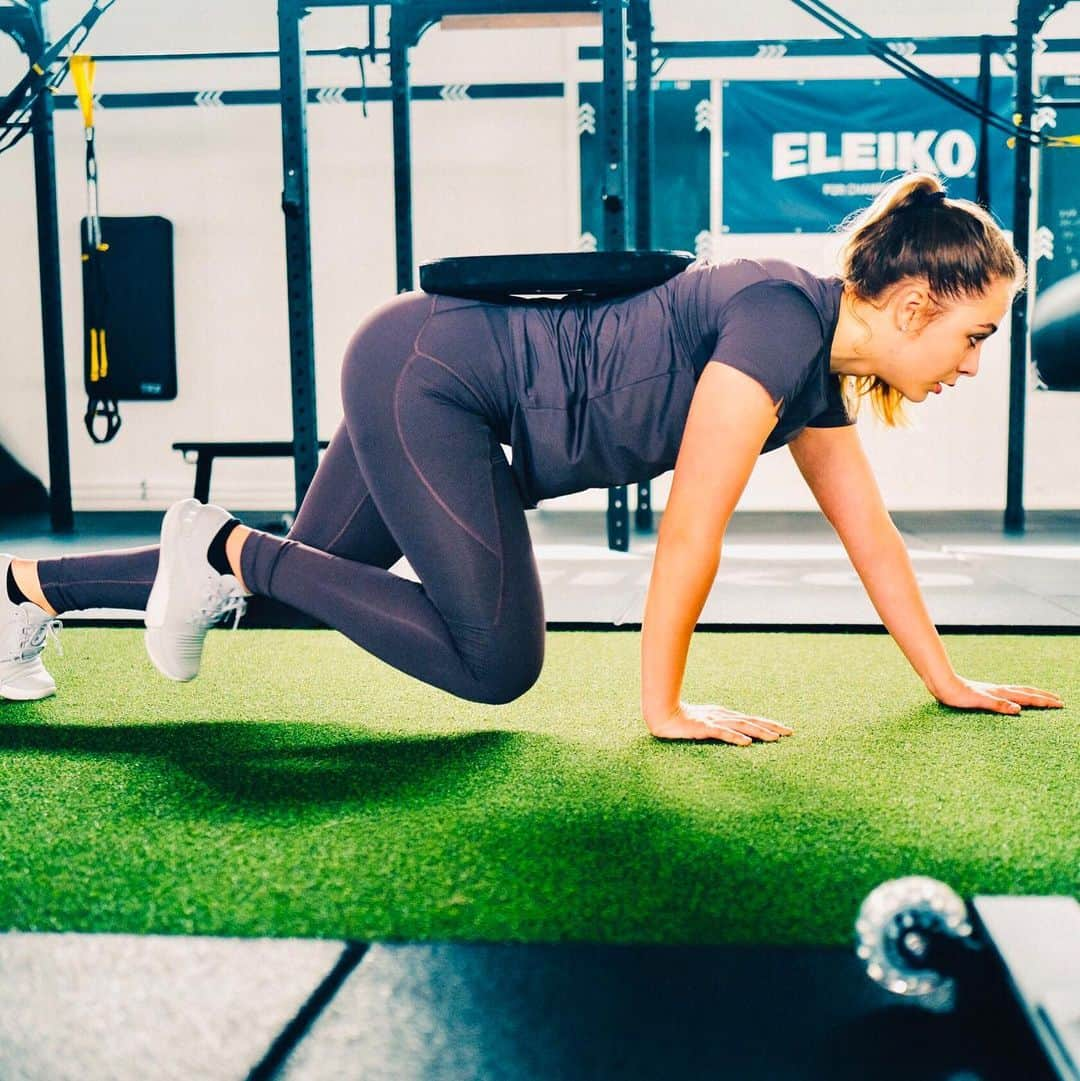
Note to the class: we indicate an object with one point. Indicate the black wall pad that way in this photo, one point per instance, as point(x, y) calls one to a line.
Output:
point(128, 294)
point(297, 1028)
point(597, 1012)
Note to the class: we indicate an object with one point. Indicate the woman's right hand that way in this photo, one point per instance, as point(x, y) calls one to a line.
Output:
point(716, 722)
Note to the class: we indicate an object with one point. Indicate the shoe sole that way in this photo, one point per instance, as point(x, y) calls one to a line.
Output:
point(156, 661)
point(13, 694)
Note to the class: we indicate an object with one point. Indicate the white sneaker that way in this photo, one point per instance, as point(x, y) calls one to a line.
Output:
point(24, 631)
point(188, 596)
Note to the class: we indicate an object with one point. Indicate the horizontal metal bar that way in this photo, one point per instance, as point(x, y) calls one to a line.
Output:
point(776, 48)
point(337, 95)
point(524, 20)
point(326, 95)
point(505, 7)
point(349, 53)
point(463, 7)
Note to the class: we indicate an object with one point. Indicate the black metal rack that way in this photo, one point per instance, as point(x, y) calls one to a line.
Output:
point(409, 20)
point(52, 322)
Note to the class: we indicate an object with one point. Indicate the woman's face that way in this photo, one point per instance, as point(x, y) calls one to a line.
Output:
point(928, 344)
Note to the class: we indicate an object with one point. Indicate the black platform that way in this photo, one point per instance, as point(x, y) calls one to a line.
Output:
point(448, 1012)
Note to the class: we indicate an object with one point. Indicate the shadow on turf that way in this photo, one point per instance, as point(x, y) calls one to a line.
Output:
point(574, 840)
point(252, 765)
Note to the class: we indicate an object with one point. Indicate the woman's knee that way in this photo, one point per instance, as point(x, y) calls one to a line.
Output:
point(508, 671)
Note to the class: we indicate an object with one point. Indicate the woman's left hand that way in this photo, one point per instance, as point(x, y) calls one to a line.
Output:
point(996, 698)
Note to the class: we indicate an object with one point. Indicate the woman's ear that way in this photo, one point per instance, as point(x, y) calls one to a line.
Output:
point(909, 299)
point(915, 307)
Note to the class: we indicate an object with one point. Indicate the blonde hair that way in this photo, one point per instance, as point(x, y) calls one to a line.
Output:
point(954, 244)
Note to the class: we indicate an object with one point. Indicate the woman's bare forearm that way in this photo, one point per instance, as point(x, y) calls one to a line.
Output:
point(682, 575)
point(883, 564)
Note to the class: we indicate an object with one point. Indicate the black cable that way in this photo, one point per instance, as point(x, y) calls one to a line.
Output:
point(363, 87)
point(931, 82)
point(15, 98)
point(362, 55)
point(831, 18)
point(40, 77)
point(17, 123)
point(22, 130)
point(906, 67)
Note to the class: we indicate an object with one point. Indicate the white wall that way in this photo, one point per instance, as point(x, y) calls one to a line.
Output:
point(489, 176)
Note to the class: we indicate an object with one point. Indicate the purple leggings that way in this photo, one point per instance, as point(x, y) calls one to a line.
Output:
point(415, 468)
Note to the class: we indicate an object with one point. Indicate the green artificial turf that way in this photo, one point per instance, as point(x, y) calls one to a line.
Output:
point(302, 787)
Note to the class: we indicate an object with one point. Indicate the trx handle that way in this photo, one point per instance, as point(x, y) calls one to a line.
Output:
point(107, 408)
point(100, 407)
point(96, 316)
point(99, 357)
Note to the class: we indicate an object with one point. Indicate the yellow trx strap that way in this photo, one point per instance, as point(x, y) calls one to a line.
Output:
point(82, 74)
point(1050, 141)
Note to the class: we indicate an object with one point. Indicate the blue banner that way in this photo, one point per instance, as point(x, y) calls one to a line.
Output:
point(798, 157)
